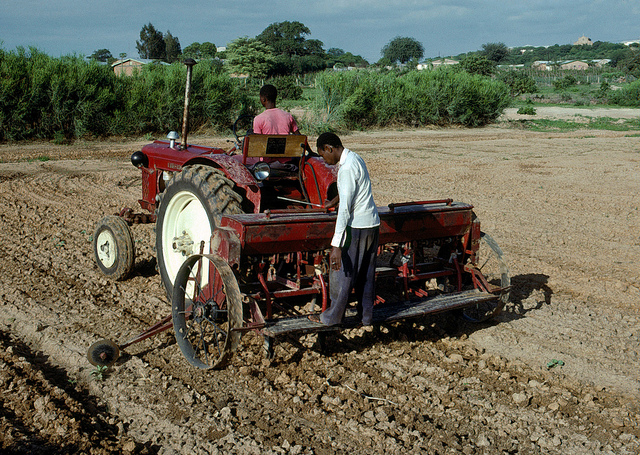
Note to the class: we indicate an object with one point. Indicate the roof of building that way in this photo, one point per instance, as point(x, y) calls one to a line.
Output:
point(143, 61)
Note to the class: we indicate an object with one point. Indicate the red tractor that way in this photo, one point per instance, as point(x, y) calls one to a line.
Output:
point(188, 188)
point(242, 234)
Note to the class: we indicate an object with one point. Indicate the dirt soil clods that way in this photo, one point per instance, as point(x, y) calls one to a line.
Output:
point(558, 372)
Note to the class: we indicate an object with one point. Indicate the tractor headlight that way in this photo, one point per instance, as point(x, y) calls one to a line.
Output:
point(139, 159)
point(261, 171)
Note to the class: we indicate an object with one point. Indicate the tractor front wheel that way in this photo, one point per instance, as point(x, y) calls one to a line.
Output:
point(187, 216)
point(113, 247)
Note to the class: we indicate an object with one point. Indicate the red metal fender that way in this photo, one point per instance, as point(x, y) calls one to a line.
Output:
point(225, 243)
point(164, 158)
point(236, 172)
point(319, 180)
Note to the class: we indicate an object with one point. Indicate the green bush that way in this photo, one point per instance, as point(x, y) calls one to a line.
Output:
point(43, 97)
point(527, 110)
point(478, 64)
point(440, 97)
point(68, 97)
point(629, 95)
point(565, 82)
point(288, 88)
point(518, 82)
point(54, 98)
point(604, 90)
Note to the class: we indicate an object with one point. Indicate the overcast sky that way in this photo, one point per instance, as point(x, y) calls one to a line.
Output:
point(363, 27)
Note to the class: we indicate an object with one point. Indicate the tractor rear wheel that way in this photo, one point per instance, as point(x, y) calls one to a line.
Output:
point(113, 247)
point(490, 263)
point(187, 216)
point(206, 306)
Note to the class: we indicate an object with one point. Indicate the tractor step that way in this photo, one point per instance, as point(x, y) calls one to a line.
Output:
point(382, 313)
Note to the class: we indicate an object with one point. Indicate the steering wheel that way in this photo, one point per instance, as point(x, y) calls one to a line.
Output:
point(242, 127)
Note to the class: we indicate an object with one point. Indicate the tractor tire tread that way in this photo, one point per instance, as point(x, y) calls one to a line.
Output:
point(216, 188)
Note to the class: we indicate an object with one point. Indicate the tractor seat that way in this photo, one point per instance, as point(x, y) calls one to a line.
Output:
point(273, 146)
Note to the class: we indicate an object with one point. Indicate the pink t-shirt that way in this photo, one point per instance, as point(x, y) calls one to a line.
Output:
point(274, 121)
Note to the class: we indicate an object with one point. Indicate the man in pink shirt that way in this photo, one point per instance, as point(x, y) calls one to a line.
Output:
point(273, 120)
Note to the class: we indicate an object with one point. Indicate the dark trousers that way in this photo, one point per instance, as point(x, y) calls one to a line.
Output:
point(358, 273)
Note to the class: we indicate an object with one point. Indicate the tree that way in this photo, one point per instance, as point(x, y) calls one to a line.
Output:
point(286, 38)
point(294, 54)
point(478, 64)
point(249, 56)
point(631, 64)
point(192, 50)
point(208, 50)
point(172, 47)
point(496, 52)
point(402, 49)
point(344, 59)
point(101, 55)
point(200, 51)
point(518, 82)
point(314, 47)
point(385, 62)
point(151, 44)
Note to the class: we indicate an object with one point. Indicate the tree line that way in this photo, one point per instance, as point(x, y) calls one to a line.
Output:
point(283, 48)
point(622, 57)
point(64, 98)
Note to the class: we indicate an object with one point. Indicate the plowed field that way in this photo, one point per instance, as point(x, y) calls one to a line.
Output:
point(564, 207)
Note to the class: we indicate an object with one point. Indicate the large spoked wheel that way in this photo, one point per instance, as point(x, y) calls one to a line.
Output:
point(187, 216)
point(206, 307)
point(493, 277)
point(113, 247)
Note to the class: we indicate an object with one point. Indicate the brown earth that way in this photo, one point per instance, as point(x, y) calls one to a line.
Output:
point(564, 207)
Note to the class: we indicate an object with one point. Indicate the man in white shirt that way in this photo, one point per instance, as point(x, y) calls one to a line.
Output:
point(355, 239)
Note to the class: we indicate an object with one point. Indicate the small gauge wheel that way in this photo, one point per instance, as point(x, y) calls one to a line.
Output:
point(113, 247)
point(103, 353)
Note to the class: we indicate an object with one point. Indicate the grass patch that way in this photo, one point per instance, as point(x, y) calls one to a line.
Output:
point(527, 110)
point(583, 95)
point(41, 158)
point(599, 123)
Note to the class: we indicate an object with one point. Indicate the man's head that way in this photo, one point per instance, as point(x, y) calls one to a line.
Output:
point(329, 147)
point(268, 95)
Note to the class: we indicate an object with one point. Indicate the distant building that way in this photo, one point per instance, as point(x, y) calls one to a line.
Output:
point(341, 67)
point(574, 65)
point(542, 65)
point(583, 40)
point(601, 62)
point(436, 63)
point(128, 65)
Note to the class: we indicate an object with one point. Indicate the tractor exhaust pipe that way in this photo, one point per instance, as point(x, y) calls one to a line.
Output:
point(187, 95)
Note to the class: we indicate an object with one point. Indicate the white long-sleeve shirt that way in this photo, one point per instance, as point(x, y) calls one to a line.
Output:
point(356, 208)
